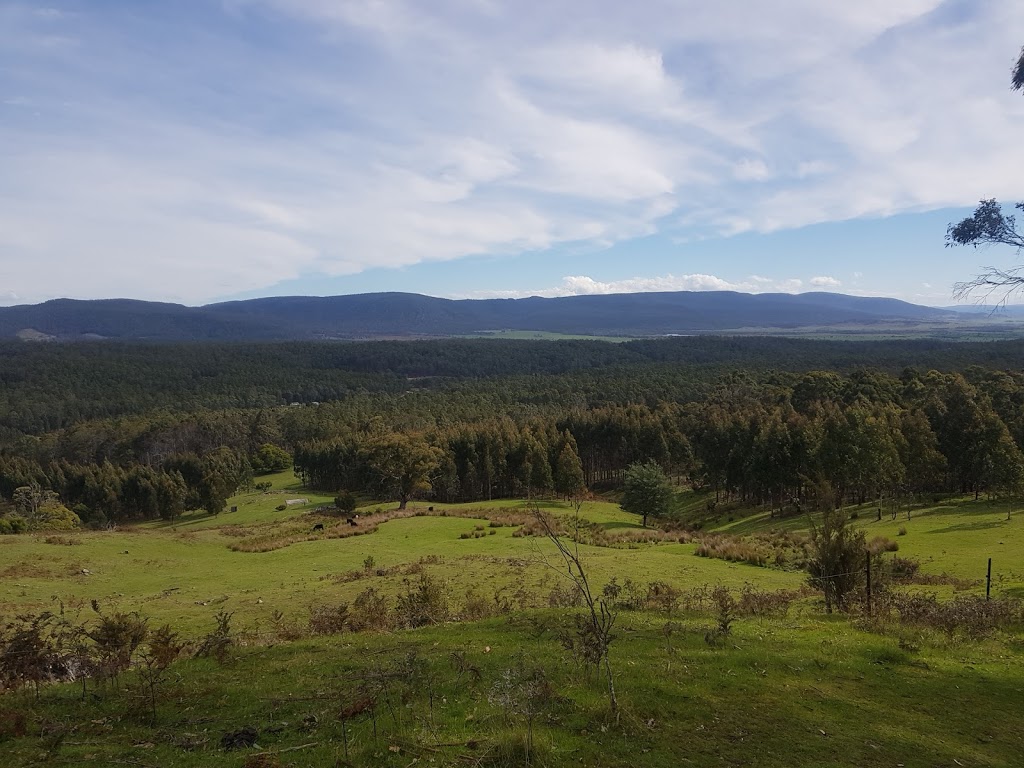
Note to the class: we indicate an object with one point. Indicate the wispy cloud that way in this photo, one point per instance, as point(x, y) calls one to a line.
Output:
point(824, 281)
point(582, 285)
point(226, 147)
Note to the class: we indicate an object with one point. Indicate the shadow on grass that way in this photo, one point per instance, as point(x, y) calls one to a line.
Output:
point(981, 525)
point(609, 526)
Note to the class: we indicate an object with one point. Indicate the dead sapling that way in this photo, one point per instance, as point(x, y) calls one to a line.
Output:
point(522, 692)
point(594, 627)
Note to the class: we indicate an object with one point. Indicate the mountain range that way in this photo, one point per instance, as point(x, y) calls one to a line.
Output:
point(398, 315)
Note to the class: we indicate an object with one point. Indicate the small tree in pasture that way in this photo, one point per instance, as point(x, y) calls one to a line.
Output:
point(837, 563)
point(647, 491)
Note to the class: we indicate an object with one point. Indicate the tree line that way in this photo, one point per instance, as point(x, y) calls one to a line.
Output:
point(49, 387)
point(760, 436)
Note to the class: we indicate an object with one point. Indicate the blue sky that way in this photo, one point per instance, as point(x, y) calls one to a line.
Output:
point(200, 150)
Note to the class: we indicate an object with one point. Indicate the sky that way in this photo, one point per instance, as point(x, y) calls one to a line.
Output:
point(201, 150)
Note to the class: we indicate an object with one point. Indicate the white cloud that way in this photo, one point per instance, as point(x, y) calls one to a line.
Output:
point(193, 162)
point(750, 170)
point(825, 282)
point(583, 285)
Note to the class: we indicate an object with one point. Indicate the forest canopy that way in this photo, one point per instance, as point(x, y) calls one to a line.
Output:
point(122, 432)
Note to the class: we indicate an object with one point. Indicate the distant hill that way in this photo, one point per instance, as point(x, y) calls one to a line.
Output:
point(399, 315)
point(993, 310)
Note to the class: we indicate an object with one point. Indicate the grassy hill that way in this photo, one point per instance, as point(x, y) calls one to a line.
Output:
point(786, 686)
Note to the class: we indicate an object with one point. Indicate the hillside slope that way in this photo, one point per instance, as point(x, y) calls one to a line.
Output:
point(376, 315)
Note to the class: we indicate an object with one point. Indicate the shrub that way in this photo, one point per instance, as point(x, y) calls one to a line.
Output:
point(345, 502)
point(836, 567)
point(219, 641)
point(663, 597)
point(328, 619)
point(725, 609)
point(565, 596)
point(117, 637)
point(12, 525)
point(904, 568)
point(423, 603)
point(880, 544)
point(968, 615)
point(369, 611)
point(755, 602)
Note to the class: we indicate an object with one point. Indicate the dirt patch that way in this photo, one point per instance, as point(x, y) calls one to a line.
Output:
point(26, 570)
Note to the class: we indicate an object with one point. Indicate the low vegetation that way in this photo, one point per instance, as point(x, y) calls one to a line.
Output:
point(601, 567)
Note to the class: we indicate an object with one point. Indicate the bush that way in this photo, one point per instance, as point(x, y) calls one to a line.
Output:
point(880, 544)
point(345, 502)
point(328, 619)
point(12, 525)
point(117, 637)
point(968, 615)
point(837, 567)
point(219, 641)
point(423, 603)
point(369, 611)
point(904, 568)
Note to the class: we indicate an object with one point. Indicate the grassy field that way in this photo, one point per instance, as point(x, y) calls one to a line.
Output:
point(794, 688)
point(545, 336)
point(955, 537)
point(800, 691)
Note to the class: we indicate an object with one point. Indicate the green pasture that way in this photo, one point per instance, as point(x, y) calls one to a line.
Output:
point(796, 689)
point(188, 577)
point(954, 537)
point(544, 336)
point(185, 572)
point(802, 690)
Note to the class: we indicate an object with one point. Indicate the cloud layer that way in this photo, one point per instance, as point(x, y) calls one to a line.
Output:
point(582, 285)
point(190, 155)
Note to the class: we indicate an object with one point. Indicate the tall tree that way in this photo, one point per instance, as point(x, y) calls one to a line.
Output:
point(402, 464)
point(569, 470)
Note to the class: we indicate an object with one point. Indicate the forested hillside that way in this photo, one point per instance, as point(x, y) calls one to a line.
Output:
point(124, 432)
point(383, 315)
point(49, 387)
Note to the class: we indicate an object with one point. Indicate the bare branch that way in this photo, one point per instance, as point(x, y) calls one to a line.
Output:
point(601, 618)
point(986, 227)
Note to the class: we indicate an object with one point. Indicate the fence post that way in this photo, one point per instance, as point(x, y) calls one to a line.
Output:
point(988, 580)
point(869, 582)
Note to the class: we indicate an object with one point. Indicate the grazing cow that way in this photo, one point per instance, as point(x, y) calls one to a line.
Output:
point(351, 521)
point(430, 509)
point(318, 527)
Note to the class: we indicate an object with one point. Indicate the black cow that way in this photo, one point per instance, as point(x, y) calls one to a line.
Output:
point(318, 527)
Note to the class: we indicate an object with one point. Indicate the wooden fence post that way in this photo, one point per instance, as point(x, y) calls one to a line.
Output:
point(869, 582)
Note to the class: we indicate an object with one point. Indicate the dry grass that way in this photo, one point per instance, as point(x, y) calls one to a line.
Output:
point(267, 537)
